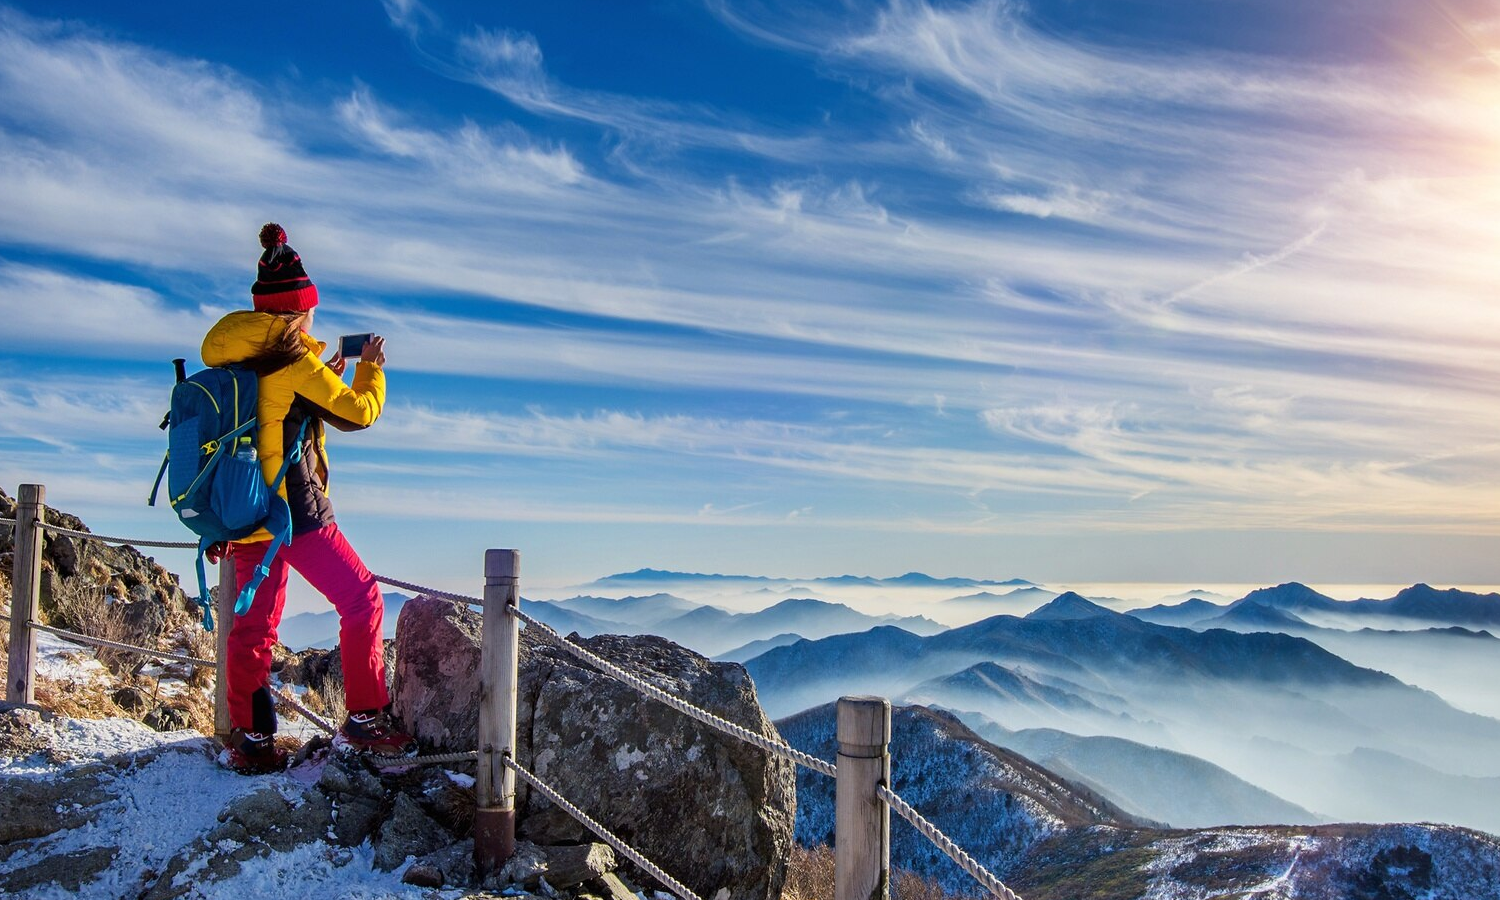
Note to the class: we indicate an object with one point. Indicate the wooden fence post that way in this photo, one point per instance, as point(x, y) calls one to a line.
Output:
point(862, 821)
point(25, 592)
point(223, 620)
point(495, 786)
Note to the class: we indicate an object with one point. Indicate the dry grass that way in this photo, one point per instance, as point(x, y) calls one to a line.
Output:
point(328, 700)
point(87, 609)
point(809, 876)
point(199, 708)
point(77, 699)
point(907, 885)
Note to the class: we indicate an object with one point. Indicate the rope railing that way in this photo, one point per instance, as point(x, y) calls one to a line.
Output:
point(604, 834)
point(954, 852)
point(110, 539)
point(702, 715)
point(285, 697)
point(431, 592)
point(76, 638)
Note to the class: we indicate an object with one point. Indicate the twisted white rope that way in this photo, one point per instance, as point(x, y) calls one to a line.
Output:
point(77, 638)
point(631, 853)
point(169, 545)
point(431, 592)
point(956, 853)
point(432, 759)
point(291, 701)
point(682, 706)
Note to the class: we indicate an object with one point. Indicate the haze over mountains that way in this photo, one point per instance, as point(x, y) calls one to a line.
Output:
point(709, 629)
point(1284, 706)
point(1275, 710)
point(1048, 835)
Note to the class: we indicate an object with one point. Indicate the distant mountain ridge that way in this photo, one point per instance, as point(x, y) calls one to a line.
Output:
point(1207, 692)
point(321, 629)
point(1420, 602)
point(713, 631)
point(910, 579)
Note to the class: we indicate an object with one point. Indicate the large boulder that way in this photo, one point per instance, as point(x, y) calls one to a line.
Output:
point(713, 811)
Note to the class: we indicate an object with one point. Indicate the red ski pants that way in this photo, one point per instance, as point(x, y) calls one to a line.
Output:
point(325, 559)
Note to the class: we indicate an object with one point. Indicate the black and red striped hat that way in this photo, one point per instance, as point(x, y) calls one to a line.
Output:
point(281, 284)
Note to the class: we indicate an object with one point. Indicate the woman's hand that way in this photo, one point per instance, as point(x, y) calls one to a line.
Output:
point(374, 351)
point(337, 364)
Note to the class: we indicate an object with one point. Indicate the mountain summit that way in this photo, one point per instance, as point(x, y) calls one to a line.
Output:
point(1067, 606)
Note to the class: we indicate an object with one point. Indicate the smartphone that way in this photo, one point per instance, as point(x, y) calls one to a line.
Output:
point(352, 345)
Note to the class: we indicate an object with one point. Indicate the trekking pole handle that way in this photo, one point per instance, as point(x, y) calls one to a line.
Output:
point(181, 366)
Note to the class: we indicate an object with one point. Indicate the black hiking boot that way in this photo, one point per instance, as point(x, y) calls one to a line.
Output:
point(252, 753)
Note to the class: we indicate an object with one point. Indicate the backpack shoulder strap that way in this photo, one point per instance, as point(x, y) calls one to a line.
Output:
point(281, 533)
point(203, 596)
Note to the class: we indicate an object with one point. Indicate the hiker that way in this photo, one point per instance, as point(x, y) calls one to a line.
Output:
point(297, 387)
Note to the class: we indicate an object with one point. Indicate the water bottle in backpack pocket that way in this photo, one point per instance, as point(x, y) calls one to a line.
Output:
point(239, 495)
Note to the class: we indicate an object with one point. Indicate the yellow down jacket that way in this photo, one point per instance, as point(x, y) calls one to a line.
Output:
point(305, 389)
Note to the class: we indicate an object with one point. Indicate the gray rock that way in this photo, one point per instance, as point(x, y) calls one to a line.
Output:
point(408, 832)
point(313, 814)
point(354, 819)
point(69, 870)
point(615, 889)
point(33, 808)
point(64, 553)
point(18, 731)
point(526, 866)
point(349, 777)
point(357, 798)
point(259, 812)
point(423, 875)
point(166, 718)
point(254, 825)
point(717, 813)
point(455, 861)
point(130, 699)
point(571, 866)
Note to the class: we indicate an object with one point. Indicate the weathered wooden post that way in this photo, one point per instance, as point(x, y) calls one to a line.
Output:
point(500, 658)
point(862, 821)
point(25, 591)
point(223, 621)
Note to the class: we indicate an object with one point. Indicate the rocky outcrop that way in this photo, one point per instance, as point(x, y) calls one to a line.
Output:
point(715, 812)
point(83, 580)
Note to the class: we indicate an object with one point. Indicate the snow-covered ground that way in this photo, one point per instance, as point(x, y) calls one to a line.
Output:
point(163, 791)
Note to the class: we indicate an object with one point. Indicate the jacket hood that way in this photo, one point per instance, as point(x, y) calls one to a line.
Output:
point(244, 335)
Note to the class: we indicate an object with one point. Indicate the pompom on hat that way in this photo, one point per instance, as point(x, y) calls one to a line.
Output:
point(281, 284)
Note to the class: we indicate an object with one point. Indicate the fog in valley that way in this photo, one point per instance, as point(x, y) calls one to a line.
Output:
point(1193, 705)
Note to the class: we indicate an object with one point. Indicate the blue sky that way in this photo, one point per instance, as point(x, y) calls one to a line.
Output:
point(1138, 291)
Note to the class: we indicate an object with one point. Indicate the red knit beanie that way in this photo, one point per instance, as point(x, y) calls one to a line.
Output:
point(281, 284)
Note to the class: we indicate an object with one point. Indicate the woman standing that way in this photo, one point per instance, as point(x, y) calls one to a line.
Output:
point(296, 386)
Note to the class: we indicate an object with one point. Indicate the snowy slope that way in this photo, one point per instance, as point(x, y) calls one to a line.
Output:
point(140, 797)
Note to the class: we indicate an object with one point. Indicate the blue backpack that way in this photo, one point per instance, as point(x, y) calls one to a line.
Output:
point(214, 481)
